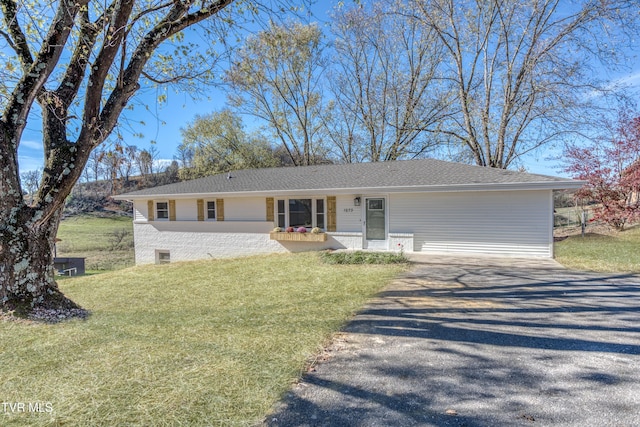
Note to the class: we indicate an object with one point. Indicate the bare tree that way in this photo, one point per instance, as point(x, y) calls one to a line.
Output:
point(112, 162)
point(523, 71)
point(386, 81)
point(277, 78)
point(347, 142)
point(128, 162)
point(145, 163)
point(184, 155)
point(151, 160)
point(30, 181)
point(82, 64)
point(94, 163)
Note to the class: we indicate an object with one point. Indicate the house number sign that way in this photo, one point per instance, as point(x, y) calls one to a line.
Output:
point(348, 210)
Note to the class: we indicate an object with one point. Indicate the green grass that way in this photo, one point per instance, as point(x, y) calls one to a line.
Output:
point(204, 343)
point(93, 238)
point(594, 252)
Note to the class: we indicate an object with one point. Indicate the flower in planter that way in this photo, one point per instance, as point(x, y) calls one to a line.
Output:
point(302, 230)
point(315, 230)
point(290, 230)
point(277, 229)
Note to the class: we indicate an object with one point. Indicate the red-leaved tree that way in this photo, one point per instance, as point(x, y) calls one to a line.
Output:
point(611, 168)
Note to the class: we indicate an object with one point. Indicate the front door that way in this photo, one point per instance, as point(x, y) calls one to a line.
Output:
point(375, 223)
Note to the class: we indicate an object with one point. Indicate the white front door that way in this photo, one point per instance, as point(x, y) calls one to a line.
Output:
point(375, 223)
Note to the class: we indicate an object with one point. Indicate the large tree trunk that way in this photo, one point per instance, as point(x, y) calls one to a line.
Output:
point(27, 232)
point(27, 275)
point(97, 78)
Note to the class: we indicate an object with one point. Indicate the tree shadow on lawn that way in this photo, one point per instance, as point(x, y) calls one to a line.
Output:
point(481, 345)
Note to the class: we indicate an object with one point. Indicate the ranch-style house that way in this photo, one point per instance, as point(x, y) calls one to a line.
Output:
point(429, 206)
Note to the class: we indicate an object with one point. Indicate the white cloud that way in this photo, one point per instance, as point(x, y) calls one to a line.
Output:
point(29, 163)
point(30, 155)
point(32, 145)
point(630, 80)
point(161, 164)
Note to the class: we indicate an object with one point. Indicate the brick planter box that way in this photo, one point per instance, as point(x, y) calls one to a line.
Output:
point(298, 237)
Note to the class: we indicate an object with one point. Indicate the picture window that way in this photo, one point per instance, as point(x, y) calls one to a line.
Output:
point(296, 213)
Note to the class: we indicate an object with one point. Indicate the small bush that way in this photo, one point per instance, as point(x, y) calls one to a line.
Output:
point(120, 239)
point(361, 257)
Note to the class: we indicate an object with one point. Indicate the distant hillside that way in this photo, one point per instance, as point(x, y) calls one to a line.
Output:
point(96, 196)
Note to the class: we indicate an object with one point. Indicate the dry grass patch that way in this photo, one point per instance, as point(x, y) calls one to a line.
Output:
point(203, 343)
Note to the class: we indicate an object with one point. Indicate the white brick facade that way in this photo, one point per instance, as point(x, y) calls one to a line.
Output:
point(186, 241)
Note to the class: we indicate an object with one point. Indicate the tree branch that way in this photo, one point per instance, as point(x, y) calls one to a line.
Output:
point(7, 37)
point(177, 19)
point(117, 22)
point(75, 72)
point(16, 38)
point(33, 80)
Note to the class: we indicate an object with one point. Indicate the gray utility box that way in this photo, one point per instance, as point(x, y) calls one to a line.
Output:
point(69, 266)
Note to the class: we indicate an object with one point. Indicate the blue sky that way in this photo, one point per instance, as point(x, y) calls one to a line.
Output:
point(163, 122)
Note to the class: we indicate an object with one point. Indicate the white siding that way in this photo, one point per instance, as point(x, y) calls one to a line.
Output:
point(187, 210)
point(235, 209)
point(245, 209)
point(514, 223)
point(517, 223)
point(349, 217)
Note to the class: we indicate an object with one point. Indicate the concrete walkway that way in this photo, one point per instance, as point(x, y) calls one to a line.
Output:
point(482, 342)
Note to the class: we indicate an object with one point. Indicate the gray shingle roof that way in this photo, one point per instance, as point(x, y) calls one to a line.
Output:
point(423, 175)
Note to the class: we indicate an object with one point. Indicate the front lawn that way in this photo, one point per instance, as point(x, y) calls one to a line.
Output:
point(204, 343)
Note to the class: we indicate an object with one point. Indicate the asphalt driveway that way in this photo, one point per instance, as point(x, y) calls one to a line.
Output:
point(482, 342)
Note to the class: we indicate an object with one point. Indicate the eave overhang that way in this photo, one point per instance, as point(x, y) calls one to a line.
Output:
point(471, 187)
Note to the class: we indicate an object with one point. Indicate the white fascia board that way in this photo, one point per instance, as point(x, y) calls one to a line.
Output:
point(543, 185)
